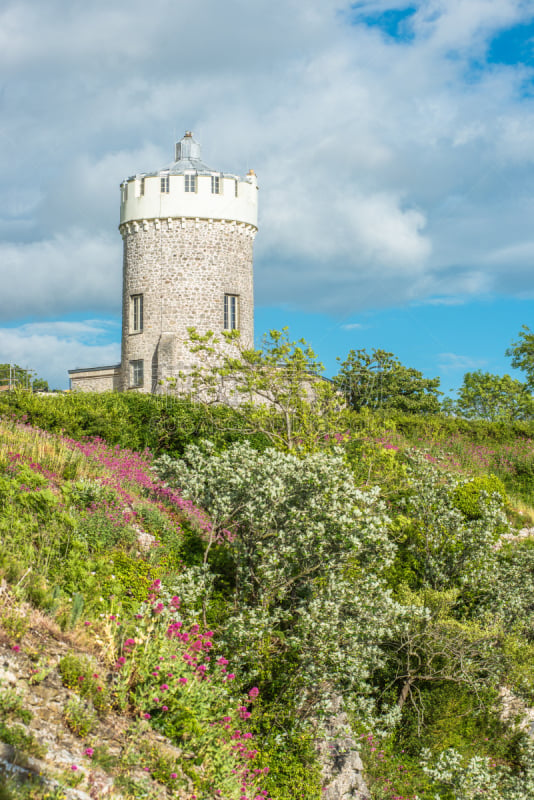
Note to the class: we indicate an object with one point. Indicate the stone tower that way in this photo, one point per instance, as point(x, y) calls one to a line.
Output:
point(188, 235)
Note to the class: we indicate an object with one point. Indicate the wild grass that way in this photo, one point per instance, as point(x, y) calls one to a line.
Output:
point(47, 450)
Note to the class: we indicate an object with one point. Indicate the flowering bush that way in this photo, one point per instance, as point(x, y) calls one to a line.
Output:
point(309, 551)
point(171, 673)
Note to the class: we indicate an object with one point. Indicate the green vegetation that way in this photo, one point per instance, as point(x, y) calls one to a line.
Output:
point(378, 380)
point(256, 564)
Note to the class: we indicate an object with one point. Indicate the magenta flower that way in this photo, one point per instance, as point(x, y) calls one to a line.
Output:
point(163, 687)
point(254, 692)
point(88, 752)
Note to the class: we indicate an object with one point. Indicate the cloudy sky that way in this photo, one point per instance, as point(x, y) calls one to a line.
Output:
point(393, 142)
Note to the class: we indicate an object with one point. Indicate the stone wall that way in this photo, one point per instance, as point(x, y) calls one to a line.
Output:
point(183, 268)
point(95, 379)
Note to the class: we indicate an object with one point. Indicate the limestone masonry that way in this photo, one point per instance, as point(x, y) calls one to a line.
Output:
point(188, 234)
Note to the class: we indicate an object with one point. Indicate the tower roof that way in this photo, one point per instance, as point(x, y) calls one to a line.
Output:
point(187, 158)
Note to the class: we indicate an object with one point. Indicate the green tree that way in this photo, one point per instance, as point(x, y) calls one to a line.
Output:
point(522, 354)
point(379, 380)
point(278, 390)
point(494, 397)
point(39, 385)
point(14, 377)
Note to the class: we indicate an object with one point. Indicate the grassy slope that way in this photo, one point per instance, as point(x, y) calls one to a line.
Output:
point(113, 518)
point(88, 534)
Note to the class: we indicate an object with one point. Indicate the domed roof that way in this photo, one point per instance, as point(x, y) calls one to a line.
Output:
point(187, 159)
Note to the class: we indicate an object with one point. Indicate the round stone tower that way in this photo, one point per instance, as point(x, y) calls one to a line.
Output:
point(188, 234)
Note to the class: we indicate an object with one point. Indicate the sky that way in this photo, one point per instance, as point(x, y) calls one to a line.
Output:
point(393, 143)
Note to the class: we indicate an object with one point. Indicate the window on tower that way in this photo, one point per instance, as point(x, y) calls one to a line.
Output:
point(190, 183)
point(231, 312)
point(215, 184)
point(165, 184)
point(136, 373)
point(136, 313)
point(139, 185)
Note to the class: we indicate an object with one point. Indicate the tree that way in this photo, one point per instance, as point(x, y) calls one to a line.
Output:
point(433, 648)
point(14, 377)
point(494, 397)
point(522, 354)
point(278, 390)
point(310, 551)
point(379, 380)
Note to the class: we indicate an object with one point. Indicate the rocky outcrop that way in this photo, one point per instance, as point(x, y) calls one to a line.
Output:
point(514, 711)
point(49, 752)
point(342, 768)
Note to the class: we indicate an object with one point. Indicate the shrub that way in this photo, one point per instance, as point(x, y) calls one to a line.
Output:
point(80, 716)
point(79, 673)
point(469, 496)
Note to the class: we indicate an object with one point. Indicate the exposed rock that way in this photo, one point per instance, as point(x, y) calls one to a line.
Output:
point(63, 754)
point(342, 771)
point(515, 711)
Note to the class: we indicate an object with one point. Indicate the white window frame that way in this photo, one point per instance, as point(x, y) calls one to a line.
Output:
point(165, 183)
point(137, 373)
point(190, 183)
point(136, 313)
point(231, 312)
point(216, 184)
point(139, 184)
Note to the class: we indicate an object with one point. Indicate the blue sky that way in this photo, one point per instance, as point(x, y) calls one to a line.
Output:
point(393, 142)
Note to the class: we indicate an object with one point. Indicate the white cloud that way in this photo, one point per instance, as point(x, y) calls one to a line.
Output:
point(455, 361)
point(70, 272)
point(50, 349)
point(390, 172)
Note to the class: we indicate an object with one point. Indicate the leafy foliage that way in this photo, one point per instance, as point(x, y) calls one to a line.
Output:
point(412, 600)
point(493, 397)
point(522, 354)
point(378, 380)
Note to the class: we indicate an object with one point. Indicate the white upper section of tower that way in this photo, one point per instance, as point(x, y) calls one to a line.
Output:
point(188, 188)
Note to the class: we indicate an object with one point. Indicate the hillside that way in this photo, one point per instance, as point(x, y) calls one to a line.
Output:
point(238, 621)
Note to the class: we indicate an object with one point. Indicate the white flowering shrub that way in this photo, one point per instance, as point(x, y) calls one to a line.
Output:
point(310, 606)
point(479, 777)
